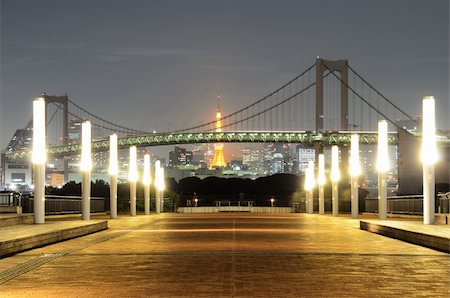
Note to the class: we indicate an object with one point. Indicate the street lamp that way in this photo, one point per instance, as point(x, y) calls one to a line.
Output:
point(382, 167)
point(335, 176)
point(113, 172)
point(355, 171)
point(39, 159)
point(132, 178)
point(309, 187)
point(321, 182)
point(429, 157)
point(147, 180)
point(85, 167)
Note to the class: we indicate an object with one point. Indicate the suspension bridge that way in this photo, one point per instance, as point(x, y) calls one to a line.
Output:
point(324, 104)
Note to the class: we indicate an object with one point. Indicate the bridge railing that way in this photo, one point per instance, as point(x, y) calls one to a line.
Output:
point(412, 204)
point(63, 204)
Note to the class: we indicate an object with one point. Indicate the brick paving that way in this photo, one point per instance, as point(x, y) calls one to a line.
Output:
point(226, 255)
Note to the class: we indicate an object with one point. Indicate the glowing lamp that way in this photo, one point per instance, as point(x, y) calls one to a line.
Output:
point(321, 174)
point(335, 173)
point(147, 178)
point(429, 153)
point(382, 158)
point(132, 170)
point(86, 161)
point(355, 167)
point(113, 162)
point(38, 154)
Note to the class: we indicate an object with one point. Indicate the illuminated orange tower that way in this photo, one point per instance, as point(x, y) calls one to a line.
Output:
point(218, 160)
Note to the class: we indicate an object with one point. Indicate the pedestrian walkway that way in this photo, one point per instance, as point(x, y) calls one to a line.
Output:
point(228, 255)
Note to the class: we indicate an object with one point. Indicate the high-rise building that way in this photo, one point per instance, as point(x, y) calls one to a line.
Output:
point(304, 155)
point(21, 140)
point(180, 156)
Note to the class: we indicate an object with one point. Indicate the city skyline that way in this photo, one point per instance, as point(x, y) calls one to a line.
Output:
point(238, 52)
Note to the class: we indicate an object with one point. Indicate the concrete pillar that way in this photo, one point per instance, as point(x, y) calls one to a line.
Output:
point(147, 199)
point(158, 201)
point(335, 197)
point(113, 196)
point(354, 196)
point(321, 200)
point(382, 195)
point(428, 194)
point(39, 193)
point(85, 195)
point(310, 201)
point(133, 198)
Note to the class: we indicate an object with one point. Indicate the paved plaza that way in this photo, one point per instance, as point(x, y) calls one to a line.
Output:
point(228, 255)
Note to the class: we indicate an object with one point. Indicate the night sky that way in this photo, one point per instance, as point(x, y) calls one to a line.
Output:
point(156, 65)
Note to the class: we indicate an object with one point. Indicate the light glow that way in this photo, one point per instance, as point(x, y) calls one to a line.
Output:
point(429, 153)
point(147, 178)
point(86, 161)
point(113, 162)
point(355, 167)
point(38, 154)
point(335, 173)
point(321, 173)
point(132, 166)
point(382, 157)
point(309, 176)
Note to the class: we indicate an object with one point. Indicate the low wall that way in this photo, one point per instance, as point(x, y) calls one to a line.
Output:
point(213, 209)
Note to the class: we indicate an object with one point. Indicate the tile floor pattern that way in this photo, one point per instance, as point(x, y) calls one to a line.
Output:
point(226, 255)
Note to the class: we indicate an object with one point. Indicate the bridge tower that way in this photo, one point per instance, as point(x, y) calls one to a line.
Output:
point(340, 66)
point(64, 102)
point(218, 160)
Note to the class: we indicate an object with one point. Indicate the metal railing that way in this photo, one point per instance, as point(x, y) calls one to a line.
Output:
point(412, 204)
point(64, 204)
point(10, 198)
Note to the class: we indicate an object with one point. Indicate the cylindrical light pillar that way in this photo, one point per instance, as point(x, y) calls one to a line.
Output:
point(162, 188)
point(158, 186)
point(147, 180)
point(335, 176)
point(382, 167)
point(86, 167)
point(39, 159)
point(429, 156)
point(132, 178)
point(355, 171)
point(309, 187)
point(321, 182)
point(113, 172)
